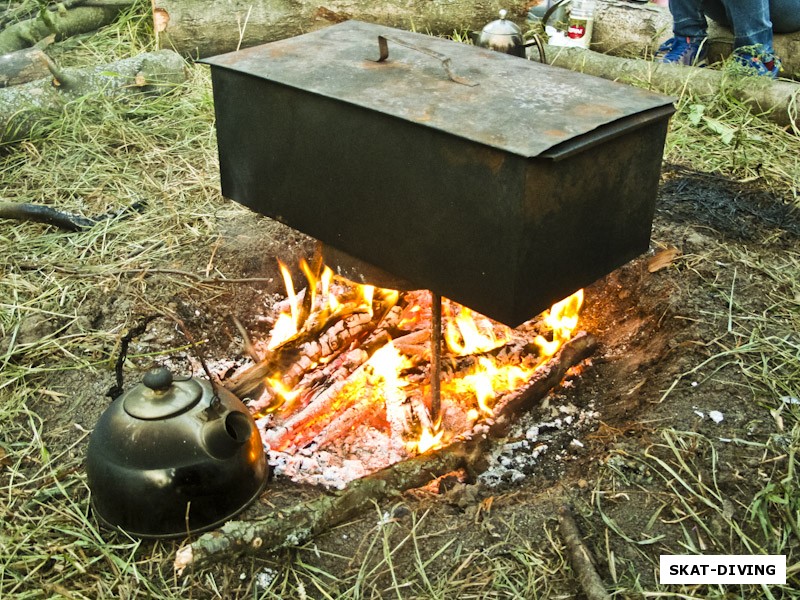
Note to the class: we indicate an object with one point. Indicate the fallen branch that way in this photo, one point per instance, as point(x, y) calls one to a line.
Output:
point(39, 213)
point(580, 557)
point(305, 520)
point(62, 23)
point(776, 99)
point(25, 65)
point(25, 107)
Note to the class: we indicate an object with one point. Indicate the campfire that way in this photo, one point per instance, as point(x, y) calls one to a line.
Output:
point(343, 383)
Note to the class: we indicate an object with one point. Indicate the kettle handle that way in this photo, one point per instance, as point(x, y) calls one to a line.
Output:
point(383, 48)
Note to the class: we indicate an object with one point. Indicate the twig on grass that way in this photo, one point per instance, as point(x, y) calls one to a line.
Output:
point(580, 557)
point(39, 213)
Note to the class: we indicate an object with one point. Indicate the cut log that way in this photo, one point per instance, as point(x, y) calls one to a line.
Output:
point(62, 23)
point(777, 100)
point(199, 28)
point(24, 108)
point(308, 519)
point(22, 66)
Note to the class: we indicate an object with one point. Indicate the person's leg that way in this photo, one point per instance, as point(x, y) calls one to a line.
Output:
point(749, 19)
point(785, 15)
point(687, 47)
point(752, 30)
point(688, 20)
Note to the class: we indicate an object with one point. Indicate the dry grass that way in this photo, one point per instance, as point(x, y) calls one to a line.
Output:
point(102, 156)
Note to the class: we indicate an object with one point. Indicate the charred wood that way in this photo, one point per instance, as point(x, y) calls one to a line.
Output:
point(40, 213)
point(305, 520)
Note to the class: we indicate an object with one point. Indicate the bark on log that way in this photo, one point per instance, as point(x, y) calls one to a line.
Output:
point(24, 108)
point(777, 100)
point(199, 28)
point(61, 23)
point(305, 520)
point(22, 66)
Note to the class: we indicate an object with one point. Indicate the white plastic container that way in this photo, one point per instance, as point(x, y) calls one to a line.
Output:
point(581, 20)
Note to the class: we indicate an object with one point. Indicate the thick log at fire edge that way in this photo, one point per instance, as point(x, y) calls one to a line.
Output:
point(302, 522)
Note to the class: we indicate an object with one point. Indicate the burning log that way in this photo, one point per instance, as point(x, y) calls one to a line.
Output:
point(323, 337)
point(303, 521)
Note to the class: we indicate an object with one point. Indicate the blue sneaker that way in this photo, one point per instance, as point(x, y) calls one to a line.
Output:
point(759, 59)
point(683, 51)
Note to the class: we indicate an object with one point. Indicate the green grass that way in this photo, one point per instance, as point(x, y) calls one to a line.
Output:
point(101, 156)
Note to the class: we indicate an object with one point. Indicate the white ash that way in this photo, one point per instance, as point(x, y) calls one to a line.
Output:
point(714, 415)
point(369, 451)
point(514, 460)
point(264, 578)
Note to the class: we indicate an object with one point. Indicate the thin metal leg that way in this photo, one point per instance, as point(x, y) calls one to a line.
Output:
point(436, 358)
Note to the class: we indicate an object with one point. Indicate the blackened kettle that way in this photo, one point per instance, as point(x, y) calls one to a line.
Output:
point(174, 456)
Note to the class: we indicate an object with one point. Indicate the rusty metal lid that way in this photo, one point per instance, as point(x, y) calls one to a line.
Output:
point(503, 101)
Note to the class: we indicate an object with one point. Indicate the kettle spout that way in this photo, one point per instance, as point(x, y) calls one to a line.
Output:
point(224, 436)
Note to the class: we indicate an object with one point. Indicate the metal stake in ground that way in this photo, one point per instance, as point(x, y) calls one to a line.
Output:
point(436, 358)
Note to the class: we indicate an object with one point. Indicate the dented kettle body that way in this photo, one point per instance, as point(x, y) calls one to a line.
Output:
point(162, 463)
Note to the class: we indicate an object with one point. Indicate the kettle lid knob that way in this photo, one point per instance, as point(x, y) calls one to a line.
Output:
point(160, 396)
point(503, 13)
point(159, 379)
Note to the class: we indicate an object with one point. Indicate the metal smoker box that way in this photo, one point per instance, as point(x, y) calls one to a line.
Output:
point(500, 183)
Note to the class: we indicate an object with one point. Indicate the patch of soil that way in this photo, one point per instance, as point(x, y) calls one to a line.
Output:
point(653, 327)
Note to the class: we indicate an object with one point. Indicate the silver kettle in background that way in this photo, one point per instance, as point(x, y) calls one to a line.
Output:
point(502, 35)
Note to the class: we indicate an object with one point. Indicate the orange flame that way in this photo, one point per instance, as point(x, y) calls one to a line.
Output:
point(562, 319)
point(464, 336)
point(428, 439)
point(287, 324)
point(465, 333)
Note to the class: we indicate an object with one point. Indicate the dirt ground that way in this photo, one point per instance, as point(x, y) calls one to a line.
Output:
point(655, 331)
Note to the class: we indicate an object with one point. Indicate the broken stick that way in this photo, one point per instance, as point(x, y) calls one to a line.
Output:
point(305, 520)
point(580, 557)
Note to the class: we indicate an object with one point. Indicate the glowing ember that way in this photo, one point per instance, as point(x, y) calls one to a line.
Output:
point(350, 391)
